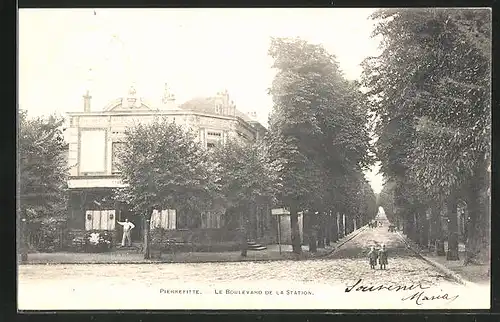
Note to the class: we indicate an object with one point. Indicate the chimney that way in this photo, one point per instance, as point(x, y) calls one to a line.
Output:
point(168, 98)
point(86, 102)
point(253, 115)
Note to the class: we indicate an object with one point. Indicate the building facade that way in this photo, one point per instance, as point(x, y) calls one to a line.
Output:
point(94, 138)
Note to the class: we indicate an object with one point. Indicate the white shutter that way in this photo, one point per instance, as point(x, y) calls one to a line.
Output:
point(88, 220)
point(104, 220)
point(164, 219)
point(172, 214)
point(111, 220)
point(155, 221)
point(96, 219)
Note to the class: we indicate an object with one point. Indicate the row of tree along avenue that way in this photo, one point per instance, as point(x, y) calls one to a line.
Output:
point(311, 160)
point(430, 89)
point(319, 141)
point(421, 109)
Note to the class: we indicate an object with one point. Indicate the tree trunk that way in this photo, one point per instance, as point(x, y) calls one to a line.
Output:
point(243, 242)
point(475, 227)
point(439, 232)
point(410, 224)
point(452, 253)
point(406, 222)
point(321, 229)
point(294, 222)
point(348, 224)
point(243, 233)
point(351, 223)
point(147, 250)
point(341, 225)
point(335, 227)
point(328, 227)
point(312, 232)
point(434, 225)
point(423, 228)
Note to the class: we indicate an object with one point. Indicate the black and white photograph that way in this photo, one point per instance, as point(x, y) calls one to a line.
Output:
point(254, 159)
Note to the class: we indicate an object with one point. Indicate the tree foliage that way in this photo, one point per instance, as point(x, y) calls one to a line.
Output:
point(42, 167)
point(246, 175)
point(318, 124)
point(430, 91)
point(318, 130)
point(164, 165)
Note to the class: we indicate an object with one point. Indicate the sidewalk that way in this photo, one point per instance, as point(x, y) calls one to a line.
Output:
point(133, 257)
point(478, 274)
point(272, 253)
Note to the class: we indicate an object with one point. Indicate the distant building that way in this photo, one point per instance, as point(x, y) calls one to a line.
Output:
point(95, 136)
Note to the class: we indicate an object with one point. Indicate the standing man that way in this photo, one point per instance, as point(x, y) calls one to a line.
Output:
point(127, 227)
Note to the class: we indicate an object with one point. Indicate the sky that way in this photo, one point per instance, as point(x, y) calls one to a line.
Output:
point(198, 52)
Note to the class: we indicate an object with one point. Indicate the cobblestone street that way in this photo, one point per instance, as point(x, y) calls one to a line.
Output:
point(343, 268)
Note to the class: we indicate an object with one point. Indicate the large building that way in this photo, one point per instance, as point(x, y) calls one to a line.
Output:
point(95, 136)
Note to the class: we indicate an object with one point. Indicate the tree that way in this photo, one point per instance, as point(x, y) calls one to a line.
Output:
point(164, 166)
point(246, 177)
point(293, 125)
point(42, 170)
point(430, 90)
point(318, 130)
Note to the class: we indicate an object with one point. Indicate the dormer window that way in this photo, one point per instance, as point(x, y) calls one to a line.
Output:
point(218, 108)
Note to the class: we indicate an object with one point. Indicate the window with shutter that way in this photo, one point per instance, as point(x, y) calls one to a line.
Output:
point(96, 220)
point(165, 219)
point(100, 220)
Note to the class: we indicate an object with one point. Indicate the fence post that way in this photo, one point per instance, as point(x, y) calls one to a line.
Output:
point(24, 246)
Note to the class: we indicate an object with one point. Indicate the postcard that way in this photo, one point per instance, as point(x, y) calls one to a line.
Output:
point(257, 159)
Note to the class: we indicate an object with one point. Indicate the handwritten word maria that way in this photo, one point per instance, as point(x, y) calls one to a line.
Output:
point(420, 297)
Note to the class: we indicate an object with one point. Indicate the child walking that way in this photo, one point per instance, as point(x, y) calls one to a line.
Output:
point(372, 256)
point(382, 257)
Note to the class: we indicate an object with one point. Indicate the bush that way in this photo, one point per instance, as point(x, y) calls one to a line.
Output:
point(44, 237)
point(158, 238)
point(97, 241)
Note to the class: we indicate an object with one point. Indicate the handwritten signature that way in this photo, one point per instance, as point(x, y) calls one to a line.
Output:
point(393, 287)
point(419, 297)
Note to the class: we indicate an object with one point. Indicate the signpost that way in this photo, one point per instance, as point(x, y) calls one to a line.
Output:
point(278, 212)
point(279, 233)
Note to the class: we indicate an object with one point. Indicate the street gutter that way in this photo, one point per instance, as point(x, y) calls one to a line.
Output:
point(457, 278)
point(350, 237)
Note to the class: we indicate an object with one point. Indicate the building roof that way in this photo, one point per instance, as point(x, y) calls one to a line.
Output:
point(207, 105)
point(199, 104)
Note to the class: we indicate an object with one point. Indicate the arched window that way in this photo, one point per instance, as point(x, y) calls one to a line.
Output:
point(218, 108)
